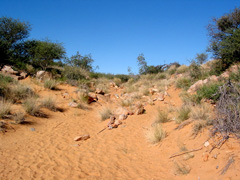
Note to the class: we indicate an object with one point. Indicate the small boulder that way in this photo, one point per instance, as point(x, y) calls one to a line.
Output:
point(118, 122)
point(160, 97)
point(122, 117)
point(73, 104)
point(139, 109)
point(43, 75)
point(82, 138)
point(195, 86)
point(8, 70)
point(99, 91)
point(23, 75)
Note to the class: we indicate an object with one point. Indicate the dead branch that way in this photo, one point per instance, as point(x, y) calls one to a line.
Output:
point(102, 130)
point(184, 123)
point(230, 161)
point(193, 150)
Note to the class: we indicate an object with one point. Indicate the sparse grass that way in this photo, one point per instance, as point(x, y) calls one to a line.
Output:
point(156, 134)
point(5, 108)
point(183, 113)
point(50, 84)
point(117, 81)
point(82, 106)
point(49, 103)
point(83, 97)
point(105, 113)
point(161, 117)
point(19, 117)
point(182, 169)
point(160, 76)
point(145, 91)
point(31, 106)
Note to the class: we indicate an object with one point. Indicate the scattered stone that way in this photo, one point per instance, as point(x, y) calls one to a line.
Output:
point(32, 129)
point(8, 70)
point(206, 144)
point(217, 167)
point(81, 138)
point(118, 122)
point(66, 95)
point(160, 97)
point(213, 78)
point(99, 91)
point(205, 157)
point(152, 91)
point(23, 75)
point(215, 156)
point(195, 86)
point(119, 111)
point(139, 109)
point(122, 117)
point(72, 104)
point(44, 75)
point(226, 74)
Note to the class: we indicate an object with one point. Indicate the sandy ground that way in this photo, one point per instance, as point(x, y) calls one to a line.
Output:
point(123, 153)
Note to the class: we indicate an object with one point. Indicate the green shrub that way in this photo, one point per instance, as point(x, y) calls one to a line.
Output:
point(235, 76)
point(209, 91)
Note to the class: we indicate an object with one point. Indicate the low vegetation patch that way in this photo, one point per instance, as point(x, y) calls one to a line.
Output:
point(32, 107)
point(49, 103)
point(19, 117)
point(183, 113)
point(183, 83)
point(182, 169)
point(161, 117)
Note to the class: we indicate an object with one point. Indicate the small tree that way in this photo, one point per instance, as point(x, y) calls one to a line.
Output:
point(142, 64)
point(201, 58)
point(12, 33)
point(225, 39)
point(84, 62)
point(43, 53)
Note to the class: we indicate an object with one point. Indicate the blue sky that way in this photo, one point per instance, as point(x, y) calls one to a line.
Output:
point(115, 32)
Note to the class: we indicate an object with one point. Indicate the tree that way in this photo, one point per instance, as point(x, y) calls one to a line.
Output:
point(142, 64)
point(84, 62)
point(225, 39)
point(12, 33)
point(44, 53)
point(201, 58)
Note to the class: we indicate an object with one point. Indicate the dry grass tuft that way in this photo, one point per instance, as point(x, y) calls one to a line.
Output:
point(161, 117)
point(49, 103)
point(183, 113)
point(50, 84)
point(105, 113)
point(5, 107)
point(156, 134)
point(201, 112)
point(31, 106)
point(19, 117)
point(182, 169)
point(126, 102)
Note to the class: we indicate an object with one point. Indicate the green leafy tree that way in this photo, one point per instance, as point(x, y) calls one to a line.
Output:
point(201, 58)
point(44, 53)
point(225, 39)
point(84, 62)
point(12, 33)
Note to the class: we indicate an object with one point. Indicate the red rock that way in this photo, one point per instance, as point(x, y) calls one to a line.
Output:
point(122, 117)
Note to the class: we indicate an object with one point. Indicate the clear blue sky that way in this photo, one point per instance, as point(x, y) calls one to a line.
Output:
point(115, 32)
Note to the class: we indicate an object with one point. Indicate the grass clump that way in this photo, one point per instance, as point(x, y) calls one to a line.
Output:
point(161, 117)
point(183, 113)
point(49, 103)
point(31, 106)
point(5, 107)
point(20, 92)
point(182, 169)
point(156, 134)
point(105, 113)
point(198, 127)
point(126, 102)
point(182, 69)
point(183, 83)
point(50, 84)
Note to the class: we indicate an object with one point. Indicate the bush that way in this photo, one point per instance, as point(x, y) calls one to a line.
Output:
point(156, 134)
point(235, 76)
point(20, 92)
point(182, 69)
point(209, 91)
point(160, 76)
point(228, 110)
point(4, 82)
point(201, 112)
point(74, 73)
point(19, 117)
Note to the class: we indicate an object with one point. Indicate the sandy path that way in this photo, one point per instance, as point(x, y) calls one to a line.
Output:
point(49, 152)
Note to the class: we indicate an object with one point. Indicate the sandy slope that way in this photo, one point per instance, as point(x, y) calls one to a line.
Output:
point(49, 152)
